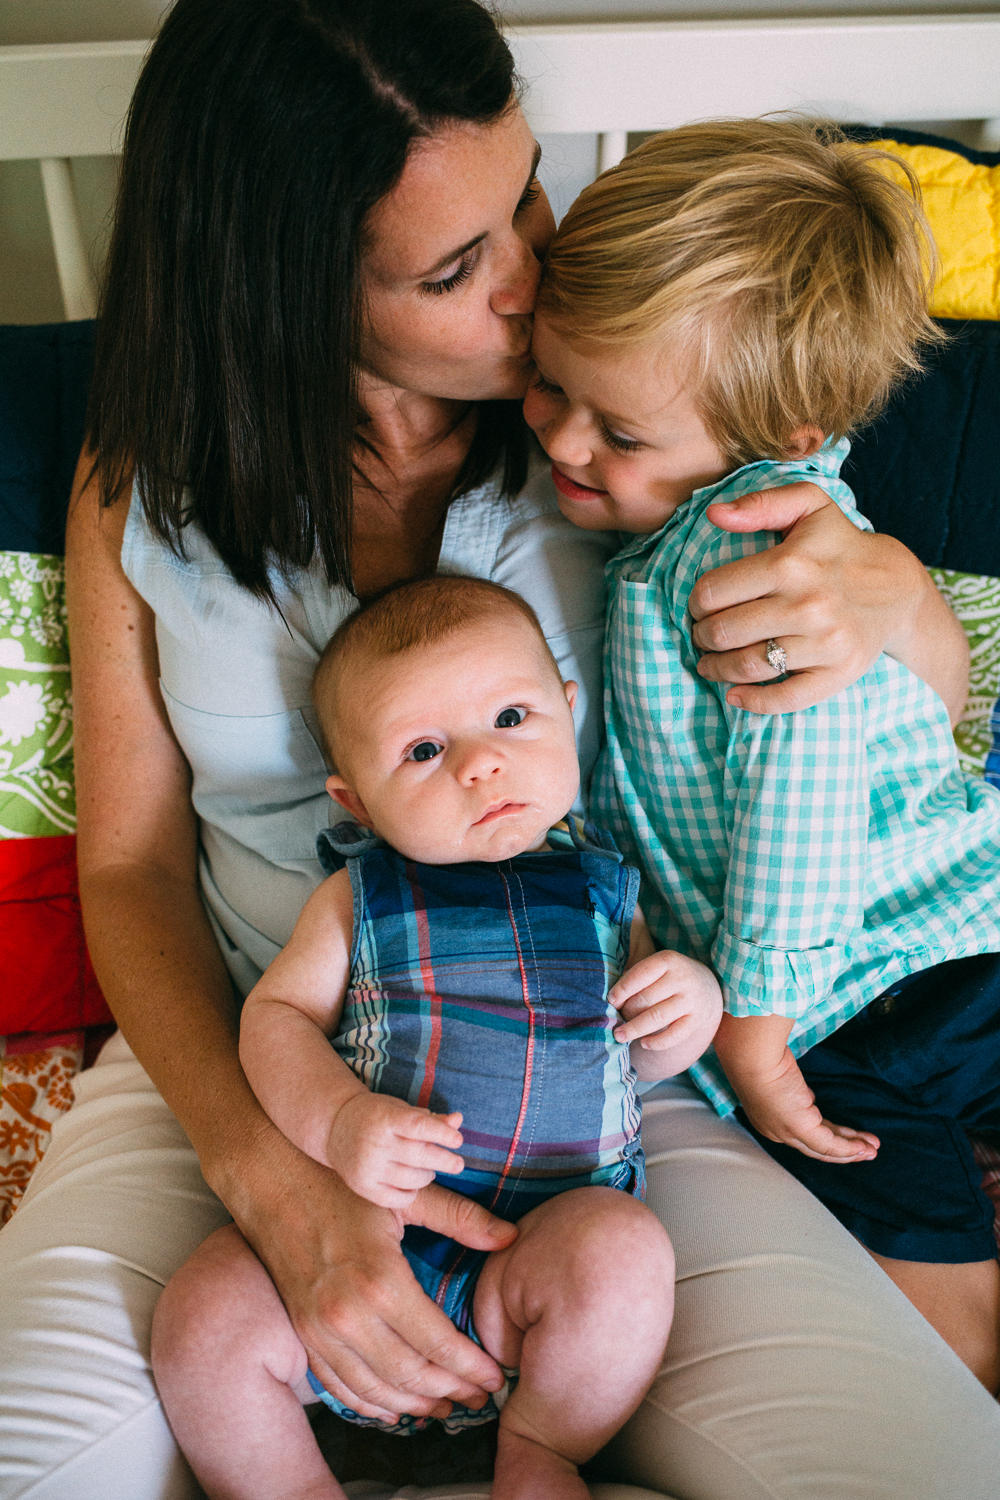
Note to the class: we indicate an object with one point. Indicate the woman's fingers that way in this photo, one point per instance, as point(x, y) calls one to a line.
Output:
point(769, 510)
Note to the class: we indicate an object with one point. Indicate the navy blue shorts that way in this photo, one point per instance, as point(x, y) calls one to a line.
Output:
point(918, 1067)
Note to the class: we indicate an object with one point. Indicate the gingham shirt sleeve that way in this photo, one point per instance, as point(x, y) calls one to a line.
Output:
point(794, 896)
point(797, 801)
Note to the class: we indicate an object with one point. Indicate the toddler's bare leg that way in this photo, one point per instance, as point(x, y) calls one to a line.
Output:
point(228, 1365)
point(962, 1302)
point(582, 1302)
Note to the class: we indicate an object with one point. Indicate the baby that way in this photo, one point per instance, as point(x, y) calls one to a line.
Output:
point(716, 314)
point(465, 957)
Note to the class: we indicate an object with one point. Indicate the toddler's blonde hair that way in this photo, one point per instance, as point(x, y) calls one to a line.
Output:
point(775, 255)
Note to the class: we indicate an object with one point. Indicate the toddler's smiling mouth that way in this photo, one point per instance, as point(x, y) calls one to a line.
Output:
point(571, 489)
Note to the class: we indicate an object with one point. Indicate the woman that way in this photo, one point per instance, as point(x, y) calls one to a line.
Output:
point(315, 328)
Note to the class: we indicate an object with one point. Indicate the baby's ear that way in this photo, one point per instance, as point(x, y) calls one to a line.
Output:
point(805, 441)
point(348, 800)
point(571, 689)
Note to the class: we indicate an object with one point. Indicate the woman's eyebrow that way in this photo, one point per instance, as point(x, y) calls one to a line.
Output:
point(460, 250)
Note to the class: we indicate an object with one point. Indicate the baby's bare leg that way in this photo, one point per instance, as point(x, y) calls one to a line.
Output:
point(228, 1365)
point(582, 1302)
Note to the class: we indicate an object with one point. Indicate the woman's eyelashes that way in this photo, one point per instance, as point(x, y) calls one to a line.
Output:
point(529, 196)
point(466, 266)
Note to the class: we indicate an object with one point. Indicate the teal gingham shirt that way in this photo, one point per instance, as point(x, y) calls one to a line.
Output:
point(812, 858)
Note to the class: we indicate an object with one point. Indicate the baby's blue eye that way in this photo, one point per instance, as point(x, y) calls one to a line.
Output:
point(426, 750)
point(508, 717)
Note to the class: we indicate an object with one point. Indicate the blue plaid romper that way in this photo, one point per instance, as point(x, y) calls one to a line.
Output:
point(483, 988)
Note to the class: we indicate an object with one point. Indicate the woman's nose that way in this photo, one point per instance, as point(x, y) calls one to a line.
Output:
point(517, 287)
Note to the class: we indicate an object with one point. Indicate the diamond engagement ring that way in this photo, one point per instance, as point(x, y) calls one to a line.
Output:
point(776, 657)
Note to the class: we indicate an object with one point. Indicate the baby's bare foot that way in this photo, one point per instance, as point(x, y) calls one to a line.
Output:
point(526, 1470)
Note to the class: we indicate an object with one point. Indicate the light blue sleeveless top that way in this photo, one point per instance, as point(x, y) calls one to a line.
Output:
point(235, 677)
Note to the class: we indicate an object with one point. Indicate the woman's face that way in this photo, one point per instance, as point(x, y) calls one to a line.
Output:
point(452, 265)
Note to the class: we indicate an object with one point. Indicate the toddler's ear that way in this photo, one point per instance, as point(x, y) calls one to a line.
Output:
point(805, 441)
point(348, 799)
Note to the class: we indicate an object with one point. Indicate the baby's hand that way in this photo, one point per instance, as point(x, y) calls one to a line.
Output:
point(785, 1110)
point(386, 1151)
point(668, 1002)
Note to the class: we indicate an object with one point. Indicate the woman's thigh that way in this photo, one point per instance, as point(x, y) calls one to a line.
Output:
point(795, 1369)
point(115, 1207)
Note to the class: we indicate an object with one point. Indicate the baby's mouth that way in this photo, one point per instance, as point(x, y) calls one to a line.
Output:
point(500, 810)
point(572, 490)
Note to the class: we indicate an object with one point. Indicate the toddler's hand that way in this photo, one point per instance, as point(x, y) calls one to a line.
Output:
point(667, 1001)
point(785, 1110)
point(386, 1150)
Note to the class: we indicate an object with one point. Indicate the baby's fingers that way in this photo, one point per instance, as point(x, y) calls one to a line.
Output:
point(421, 1125)
point(669, 1018)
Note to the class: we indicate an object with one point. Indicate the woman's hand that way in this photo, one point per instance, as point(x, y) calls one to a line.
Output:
point(832, 596)
point(374, 1338)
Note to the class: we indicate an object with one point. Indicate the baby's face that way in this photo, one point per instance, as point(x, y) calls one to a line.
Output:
point(627, 442)
point(463, 750)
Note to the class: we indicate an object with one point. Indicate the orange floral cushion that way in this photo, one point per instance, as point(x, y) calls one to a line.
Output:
point(36, 1087)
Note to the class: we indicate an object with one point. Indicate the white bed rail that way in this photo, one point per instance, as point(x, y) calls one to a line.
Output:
point(64, 101)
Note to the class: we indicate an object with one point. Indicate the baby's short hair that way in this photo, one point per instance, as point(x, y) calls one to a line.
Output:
point(406, 615)
point(784, 259)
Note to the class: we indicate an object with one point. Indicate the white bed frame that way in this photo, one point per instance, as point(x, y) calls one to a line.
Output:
point(64, 101)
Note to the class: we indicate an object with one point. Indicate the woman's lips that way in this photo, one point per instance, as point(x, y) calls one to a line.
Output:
point(504, 810)
point(572, 490)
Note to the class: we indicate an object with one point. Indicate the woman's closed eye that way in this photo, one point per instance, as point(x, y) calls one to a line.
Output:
point(529, 196)
point(509, 718)
point(466, 266)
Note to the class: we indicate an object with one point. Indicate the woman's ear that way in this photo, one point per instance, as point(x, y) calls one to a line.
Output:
point(805, 441)
point(348, 800)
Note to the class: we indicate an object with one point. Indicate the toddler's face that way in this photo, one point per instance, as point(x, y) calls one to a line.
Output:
point(463, 750)
point(627, 442)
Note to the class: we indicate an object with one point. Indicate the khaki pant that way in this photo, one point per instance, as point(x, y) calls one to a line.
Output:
point(795, 1370)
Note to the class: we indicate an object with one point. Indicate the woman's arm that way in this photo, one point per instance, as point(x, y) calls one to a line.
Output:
point(833, 596)
point(334, 1258)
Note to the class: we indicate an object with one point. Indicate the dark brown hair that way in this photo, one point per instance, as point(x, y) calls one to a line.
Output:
point(260, 136)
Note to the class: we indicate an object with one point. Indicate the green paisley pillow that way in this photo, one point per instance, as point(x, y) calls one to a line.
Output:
point(37, 797)
point(975, 598)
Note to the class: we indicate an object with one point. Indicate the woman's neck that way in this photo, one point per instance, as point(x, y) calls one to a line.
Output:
point(411, 449)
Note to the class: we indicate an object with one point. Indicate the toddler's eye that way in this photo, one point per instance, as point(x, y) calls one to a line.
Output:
point(426, 750)
point(617, 441)
point(508, 717)
point(545, 386)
